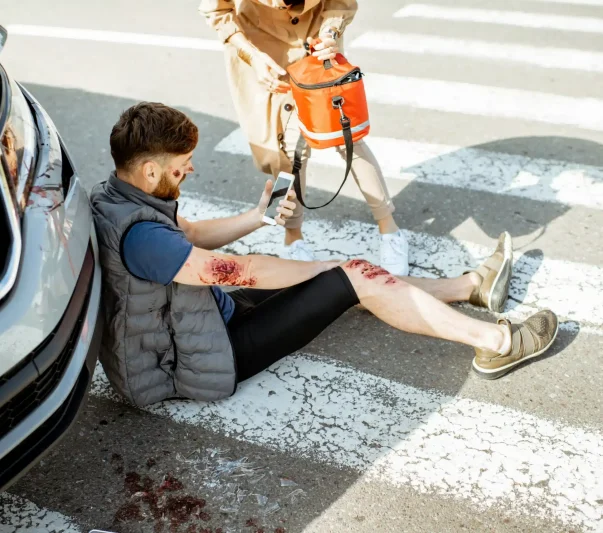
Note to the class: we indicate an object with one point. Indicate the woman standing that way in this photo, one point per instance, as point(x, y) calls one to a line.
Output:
point(261, 38)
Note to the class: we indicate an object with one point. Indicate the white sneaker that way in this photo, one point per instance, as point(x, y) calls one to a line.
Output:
point(298, 251)
point(394, 253)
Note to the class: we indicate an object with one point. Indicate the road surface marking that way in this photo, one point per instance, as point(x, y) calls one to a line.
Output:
point(489, 455)
point(467, 168)
point(507, 18)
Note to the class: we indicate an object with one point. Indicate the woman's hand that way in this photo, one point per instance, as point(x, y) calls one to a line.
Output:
point(267, 70)
point(325, 47)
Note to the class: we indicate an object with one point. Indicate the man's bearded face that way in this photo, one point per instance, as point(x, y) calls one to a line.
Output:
point(168, 187)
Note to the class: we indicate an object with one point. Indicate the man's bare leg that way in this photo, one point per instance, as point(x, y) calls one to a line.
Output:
point(417, 305)
point(407, 307)
point(488, 284)
point(447, 290)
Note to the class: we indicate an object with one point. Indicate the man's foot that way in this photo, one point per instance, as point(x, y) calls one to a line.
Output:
point(495, 273)
point(528, 340)
point(394, 253)
point(298, 251)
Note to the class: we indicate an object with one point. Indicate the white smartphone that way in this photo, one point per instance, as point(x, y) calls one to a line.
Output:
point(282, 186)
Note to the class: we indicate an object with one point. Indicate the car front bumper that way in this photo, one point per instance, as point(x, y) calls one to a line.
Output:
point(35, 435)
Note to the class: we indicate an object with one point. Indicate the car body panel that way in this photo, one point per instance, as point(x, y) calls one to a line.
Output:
point(55, 236)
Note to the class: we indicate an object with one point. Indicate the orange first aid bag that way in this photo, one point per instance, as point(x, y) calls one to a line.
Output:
point(332, 109)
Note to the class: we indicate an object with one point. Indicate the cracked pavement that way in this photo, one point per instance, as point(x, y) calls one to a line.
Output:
point(485, 453)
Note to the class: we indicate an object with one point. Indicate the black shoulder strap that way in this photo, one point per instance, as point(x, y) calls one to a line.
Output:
point(349, 153)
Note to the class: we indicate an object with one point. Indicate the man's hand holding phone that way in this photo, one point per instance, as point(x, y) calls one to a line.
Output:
point(276, 204)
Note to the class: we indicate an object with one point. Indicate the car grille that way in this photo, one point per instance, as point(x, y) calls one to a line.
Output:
point(35, 393)
point(53, 361)
point(45, 436)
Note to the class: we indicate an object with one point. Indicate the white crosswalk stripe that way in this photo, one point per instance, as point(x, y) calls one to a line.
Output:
point(18, 515)
point(79, 34)
point(544, 57)
point(467, 168)
point(484, 101)
point(597, 3)
point(537, 284)
point(487, 454)
point(508, 18)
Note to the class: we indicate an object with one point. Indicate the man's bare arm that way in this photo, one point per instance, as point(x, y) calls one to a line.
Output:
point(213, 234)
point(204, 267)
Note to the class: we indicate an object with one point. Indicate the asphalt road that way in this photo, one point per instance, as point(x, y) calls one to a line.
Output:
point(486, 116)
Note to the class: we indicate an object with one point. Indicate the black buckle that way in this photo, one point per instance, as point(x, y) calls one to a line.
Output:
point(337, 102)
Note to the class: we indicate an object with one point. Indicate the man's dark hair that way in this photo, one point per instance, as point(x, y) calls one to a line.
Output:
point(148, 130)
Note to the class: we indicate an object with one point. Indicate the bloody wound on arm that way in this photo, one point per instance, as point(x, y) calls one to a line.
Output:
point(227, 272)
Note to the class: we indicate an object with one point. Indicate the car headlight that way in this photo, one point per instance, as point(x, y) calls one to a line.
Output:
point(18, 148)
point(18, 139)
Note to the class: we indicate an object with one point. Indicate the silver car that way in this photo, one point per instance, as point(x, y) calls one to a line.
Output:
point(50, 284)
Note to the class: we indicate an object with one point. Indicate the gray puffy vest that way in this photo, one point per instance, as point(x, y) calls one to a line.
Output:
point(160, 341)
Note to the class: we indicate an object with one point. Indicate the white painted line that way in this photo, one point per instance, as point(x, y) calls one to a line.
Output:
point(544, 57)
point(572, 2)
point(508, 18)
point(18, 515)
point(166, 41)
point(468, 168)
point(572, 290)
point(488, 455)
point(485, 101)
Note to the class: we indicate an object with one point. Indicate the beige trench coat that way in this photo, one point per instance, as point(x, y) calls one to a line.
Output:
point(281, 33)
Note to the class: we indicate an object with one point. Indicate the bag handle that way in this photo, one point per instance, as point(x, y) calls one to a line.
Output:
point(337, 102)
point(326, 63)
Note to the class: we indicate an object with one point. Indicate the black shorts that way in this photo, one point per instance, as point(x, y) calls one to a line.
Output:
point(268, 325)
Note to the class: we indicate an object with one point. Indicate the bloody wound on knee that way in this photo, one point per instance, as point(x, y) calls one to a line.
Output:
point(370, 271)
point(226, 272)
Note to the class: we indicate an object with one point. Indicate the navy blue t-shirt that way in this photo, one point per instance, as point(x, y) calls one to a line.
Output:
point(156, 252)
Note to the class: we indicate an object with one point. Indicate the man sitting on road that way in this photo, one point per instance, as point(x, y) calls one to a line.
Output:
point(172, 332)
